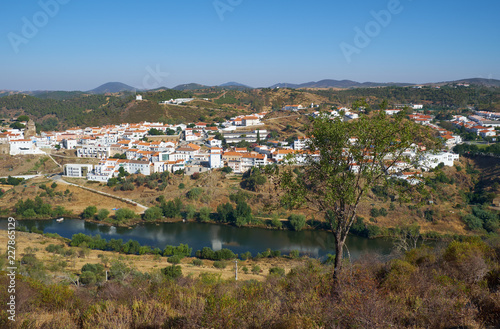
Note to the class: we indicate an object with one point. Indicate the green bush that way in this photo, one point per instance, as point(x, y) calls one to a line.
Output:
point(29, 213)
point(297, 221)
point(277, 271)
point(172, 272)
point(204, 214)
point(124, 214)
point(194, 193)
point(174, 259)
point(256, 269)
point(208, 253)
point(294, 254)
point(276, 223)
point(153, 213)
point(197, 262)
point(246, 255)
point(220, 264)
point(182, 250)
point(472, 222)
point(102, 214)
point(89, 212)
point(227, 170)
point(88, 278)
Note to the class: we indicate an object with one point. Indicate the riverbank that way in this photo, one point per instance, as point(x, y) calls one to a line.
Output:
point(33, 243)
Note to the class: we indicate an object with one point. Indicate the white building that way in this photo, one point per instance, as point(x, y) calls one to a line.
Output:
point(215, 160)
point(300, 143)
point(93, 151)
point(212, 142)
point(23, 147)
point(431, 161)
point(77, 170)
point(69, 144)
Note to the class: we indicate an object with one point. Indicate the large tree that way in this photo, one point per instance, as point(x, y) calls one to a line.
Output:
point(346, 159)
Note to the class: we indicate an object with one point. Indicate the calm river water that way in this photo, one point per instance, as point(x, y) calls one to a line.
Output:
point(198, 235)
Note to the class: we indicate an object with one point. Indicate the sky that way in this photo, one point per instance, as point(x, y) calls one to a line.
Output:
point(79, 45)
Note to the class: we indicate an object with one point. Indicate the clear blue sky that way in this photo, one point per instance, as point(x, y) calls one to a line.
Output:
point(259, 43)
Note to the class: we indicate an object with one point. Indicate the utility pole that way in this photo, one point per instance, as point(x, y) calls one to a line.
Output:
point(236, 269)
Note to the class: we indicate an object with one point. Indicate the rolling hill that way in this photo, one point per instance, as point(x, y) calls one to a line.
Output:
point(112, 87)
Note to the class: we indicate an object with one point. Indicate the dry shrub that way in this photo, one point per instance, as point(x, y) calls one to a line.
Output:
point(150, 314)
point(489, 309)
point(359, 303)
point(107, 315)
point(467, 260)
point(45, 320)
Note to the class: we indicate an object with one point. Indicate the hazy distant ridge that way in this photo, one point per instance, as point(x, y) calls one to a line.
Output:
point(111, 87)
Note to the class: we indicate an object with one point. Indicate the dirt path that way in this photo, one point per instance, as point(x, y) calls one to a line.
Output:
point(129, 201)
point(57, 163)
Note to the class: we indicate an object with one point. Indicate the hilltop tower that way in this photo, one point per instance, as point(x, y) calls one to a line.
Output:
point(30, 129)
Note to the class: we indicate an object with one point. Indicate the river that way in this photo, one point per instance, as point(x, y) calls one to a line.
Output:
point(313, 243)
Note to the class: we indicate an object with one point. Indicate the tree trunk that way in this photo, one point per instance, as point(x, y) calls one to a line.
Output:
point(339, 253)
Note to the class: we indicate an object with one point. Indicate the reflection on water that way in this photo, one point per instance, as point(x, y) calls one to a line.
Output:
point(199, 235)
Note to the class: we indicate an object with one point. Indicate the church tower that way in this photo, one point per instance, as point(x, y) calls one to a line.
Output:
point(30, 130)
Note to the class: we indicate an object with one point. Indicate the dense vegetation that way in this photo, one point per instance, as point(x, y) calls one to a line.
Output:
point(66, 109)
point(447, 97)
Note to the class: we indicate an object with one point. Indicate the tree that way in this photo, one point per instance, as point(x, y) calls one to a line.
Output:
point(124, 213)
point(354, 156)
point(153, 213)
point(297, 221)
point(89, 212)
point(102, 214)
point(204, 214)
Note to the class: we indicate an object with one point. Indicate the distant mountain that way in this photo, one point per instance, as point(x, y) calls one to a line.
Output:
point(235, 85)
point(472, 81)
point(190, 86)
point(329, 83)
point(112, 87)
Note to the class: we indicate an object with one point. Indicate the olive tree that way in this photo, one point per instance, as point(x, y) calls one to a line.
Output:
point(345, 160)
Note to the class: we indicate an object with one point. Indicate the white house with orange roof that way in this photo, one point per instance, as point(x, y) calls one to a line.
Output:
point(249, 160)
point(213, 142)
point(250, 120)
point(231, 156)
point(215, 160)
point(300, 143)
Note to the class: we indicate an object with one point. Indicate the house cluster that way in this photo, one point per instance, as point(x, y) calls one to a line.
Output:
point(20, 141)
point(192, 147)
point(244, 121)
point(177, 101)
point(295, 107)
point(346, 112)
point(476, 124)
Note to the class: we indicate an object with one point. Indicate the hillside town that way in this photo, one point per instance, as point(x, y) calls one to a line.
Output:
point(155, 147)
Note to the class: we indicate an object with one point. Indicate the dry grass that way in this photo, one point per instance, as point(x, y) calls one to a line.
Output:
point(79, 200)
